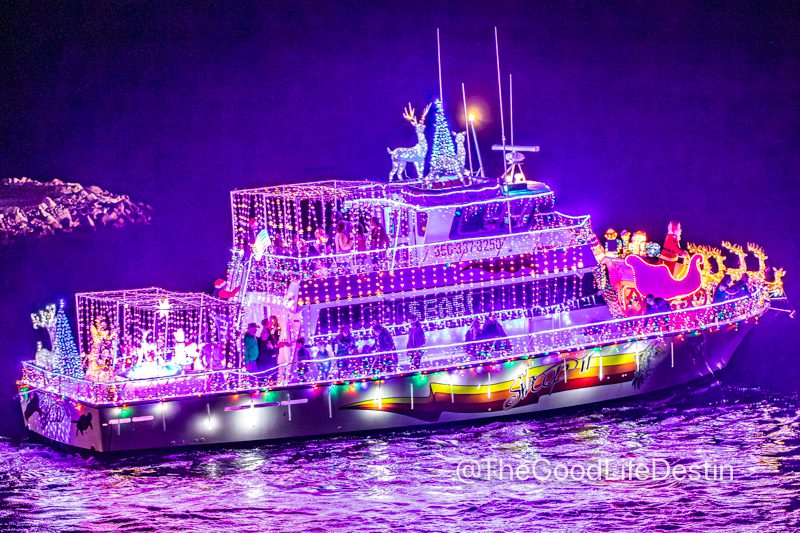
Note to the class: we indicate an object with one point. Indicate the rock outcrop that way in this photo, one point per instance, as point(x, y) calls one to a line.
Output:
point(34, 208)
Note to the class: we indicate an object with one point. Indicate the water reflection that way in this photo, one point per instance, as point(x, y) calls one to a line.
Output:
point(407, 479)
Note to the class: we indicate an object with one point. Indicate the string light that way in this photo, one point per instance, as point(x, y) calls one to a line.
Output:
point(443, 153)
point(438, 358)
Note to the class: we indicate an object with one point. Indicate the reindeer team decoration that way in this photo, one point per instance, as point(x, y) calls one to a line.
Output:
point(414, 154)
point(774, 286)
point(736, 273)
point(712, 273)
point(758, 253)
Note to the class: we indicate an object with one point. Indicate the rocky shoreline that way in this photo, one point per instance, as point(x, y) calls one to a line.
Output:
point(35, 208)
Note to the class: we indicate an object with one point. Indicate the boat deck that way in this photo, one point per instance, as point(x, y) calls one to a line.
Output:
point(381, 366)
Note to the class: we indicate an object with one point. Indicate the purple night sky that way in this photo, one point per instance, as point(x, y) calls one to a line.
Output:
point(644, 111)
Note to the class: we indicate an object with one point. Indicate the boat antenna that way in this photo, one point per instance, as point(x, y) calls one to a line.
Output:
point(500, 94)
point(467, 122)
point(439, 57)
point(511, 106)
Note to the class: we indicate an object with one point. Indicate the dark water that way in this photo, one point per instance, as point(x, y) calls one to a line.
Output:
point(407, 480)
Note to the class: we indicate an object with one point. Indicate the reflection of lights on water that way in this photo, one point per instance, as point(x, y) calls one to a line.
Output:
point(255, 493)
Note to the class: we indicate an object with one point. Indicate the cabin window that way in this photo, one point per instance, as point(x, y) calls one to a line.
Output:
point(492, 219)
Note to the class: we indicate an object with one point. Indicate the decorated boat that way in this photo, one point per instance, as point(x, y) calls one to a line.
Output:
point(440, 296)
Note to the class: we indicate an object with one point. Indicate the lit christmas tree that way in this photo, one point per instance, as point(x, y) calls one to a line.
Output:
point(443, 154)
point(66, 358)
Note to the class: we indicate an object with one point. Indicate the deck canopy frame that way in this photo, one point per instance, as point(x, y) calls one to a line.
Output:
point(133, 313)
point(294, 209)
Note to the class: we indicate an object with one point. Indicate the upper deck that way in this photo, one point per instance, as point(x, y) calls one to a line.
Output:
point(357, 233)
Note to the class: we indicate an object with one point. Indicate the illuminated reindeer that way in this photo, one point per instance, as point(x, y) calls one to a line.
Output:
point(775, 287)
point(414, 154)
point(709, 253)
point(758, 253)
point(741, 268)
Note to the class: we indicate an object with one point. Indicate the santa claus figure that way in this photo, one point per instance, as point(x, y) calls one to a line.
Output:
point(671, 252)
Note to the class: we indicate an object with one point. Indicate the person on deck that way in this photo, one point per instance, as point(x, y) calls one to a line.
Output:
point(251, 348)
point(321, 242)
point(333, 228)
point(344, 344)
point(493, 330)
point(473, 335)
point(741, 287)
point(379, 239)
point(725, 289)
point(361, 237)
point(344, 238)
point(384, 346)
point(269, 342)
point(416, 339)
point(101, 356)
point(299, 246)
point(302, 356)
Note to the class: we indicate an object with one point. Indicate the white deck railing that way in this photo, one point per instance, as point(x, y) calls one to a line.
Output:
point(273, 272)
point(392, 364)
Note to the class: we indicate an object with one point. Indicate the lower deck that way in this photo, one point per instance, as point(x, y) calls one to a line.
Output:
point(589, 328)
point(519, 386)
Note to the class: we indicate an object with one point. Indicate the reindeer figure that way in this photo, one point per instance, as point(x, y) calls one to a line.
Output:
point(758, 253)
point(775, 287)
point(738, 251)
point(709, 253)
point(415, 154)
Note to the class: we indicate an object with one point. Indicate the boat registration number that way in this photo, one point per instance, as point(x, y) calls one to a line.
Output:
point(468, 247)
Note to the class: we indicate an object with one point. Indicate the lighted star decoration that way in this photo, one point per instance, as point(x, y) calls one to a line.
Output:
point(164, 307)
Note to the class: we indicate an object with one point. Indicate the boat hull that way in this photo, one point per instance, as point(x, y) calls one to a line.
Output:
point(510, 388)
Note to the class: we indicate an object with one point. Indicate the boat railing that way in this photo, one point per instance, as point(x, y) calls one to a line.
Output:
point(386, 365)
point(274, 272)
point(456, 355)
